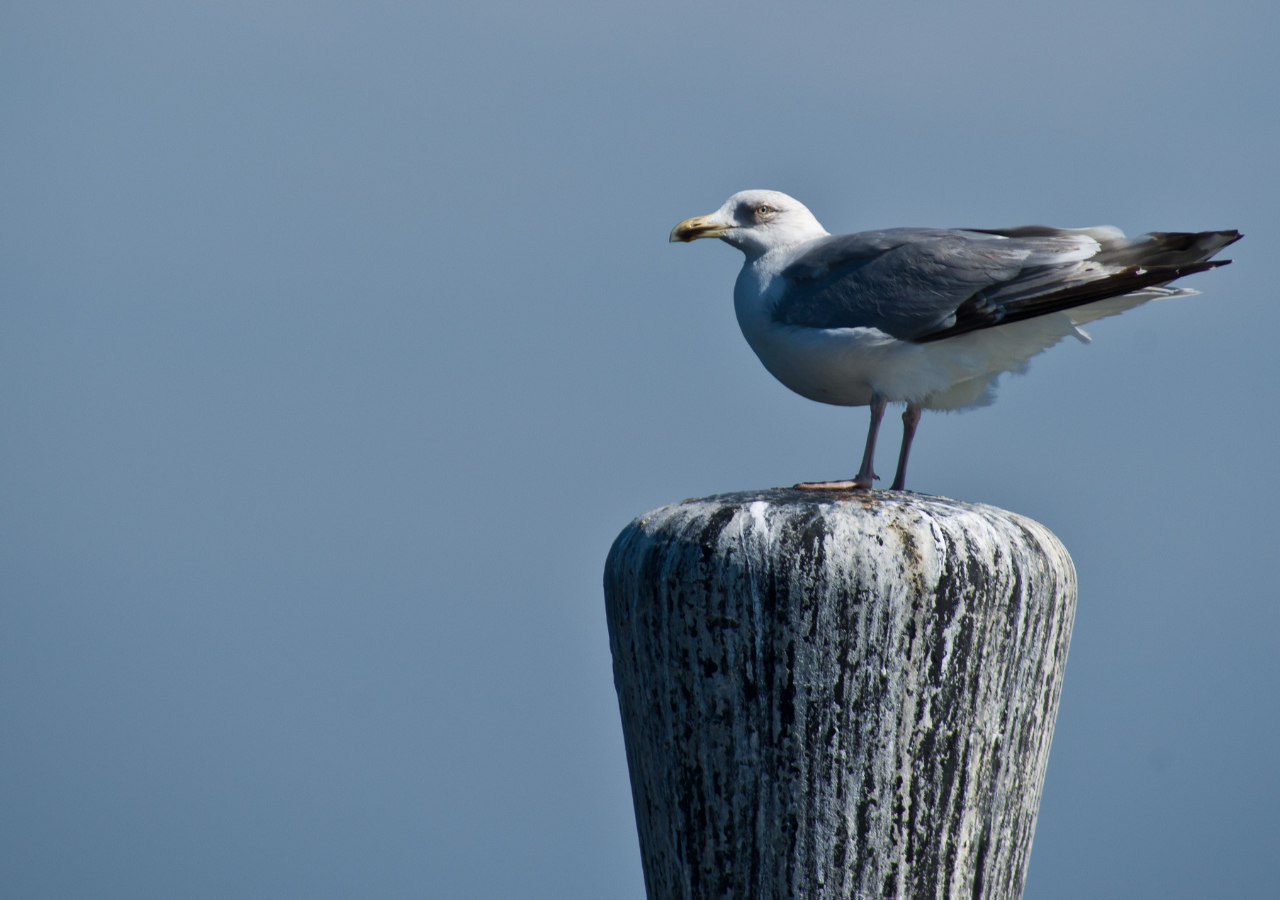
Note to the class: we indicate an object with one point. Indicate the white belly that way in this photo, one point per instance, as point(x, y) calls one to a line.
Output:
point(844, 366)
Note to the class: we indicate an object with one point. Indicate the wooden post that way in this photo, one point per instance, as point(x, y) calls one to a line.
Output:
point(837, 695)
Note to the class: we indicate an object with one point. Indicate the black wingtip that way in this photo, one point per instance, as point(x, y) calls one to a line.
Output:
point(977, 313)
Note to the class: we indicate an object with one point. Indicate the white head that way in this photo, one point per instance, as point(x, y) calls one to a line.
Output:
point(755, 222)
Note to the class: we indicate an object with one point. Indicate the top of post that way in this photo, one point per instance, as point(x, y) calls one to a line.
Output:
point(848, 502)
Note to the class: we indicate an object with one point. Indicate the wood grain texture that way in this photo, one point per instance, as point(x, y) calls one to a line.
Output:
point(832, 695)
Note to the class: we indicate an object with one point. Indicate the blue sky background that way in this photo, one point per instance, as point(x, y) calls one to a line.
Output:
point(338, 341)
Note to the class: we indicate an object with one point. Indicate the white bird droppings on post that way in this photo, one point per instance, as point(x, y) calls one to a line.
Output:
point(757, 514)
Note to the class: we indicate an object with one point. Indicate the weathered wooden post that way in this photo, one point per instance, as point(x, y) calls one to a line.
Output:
point(837, 695)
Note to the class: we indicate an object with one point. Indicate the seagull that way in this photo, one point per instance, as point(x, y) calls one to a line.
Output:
point(929, 317)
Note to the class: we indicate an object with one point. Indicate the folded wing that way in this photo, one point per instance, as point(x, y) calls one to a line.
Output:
point(925, 285)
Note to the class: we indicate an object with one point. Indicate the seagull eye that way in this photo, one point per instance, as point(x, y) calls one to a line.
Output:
point(763, 210)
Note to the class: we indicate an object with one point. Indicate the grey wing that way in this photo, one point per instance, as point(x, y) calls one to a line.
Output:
point(926, 284)
point(905, 281)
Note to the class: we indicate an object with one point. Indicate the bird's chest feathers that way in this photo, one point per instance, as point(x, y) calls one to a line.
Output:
point(757, 292)
point(842, 366)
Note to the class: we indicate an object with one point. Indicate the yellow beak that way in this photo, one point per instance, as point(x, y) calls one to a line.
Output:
point(697, 227)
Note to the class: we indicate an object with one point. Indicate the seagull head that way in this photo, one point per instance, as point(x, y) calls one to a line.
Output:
point(755, 222)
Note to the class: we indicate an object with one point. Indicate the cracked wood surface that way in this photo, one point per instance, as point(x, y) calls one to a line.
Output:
point(837, 695)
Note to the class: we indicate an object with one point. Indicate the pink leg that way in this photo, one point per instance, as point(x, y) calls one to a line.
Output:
point(910, 419)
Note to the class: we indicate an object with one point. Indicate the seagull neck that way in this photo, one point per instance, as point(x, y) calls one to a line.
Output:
point(757, 283)
point(769, 260)
point(757, 247)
